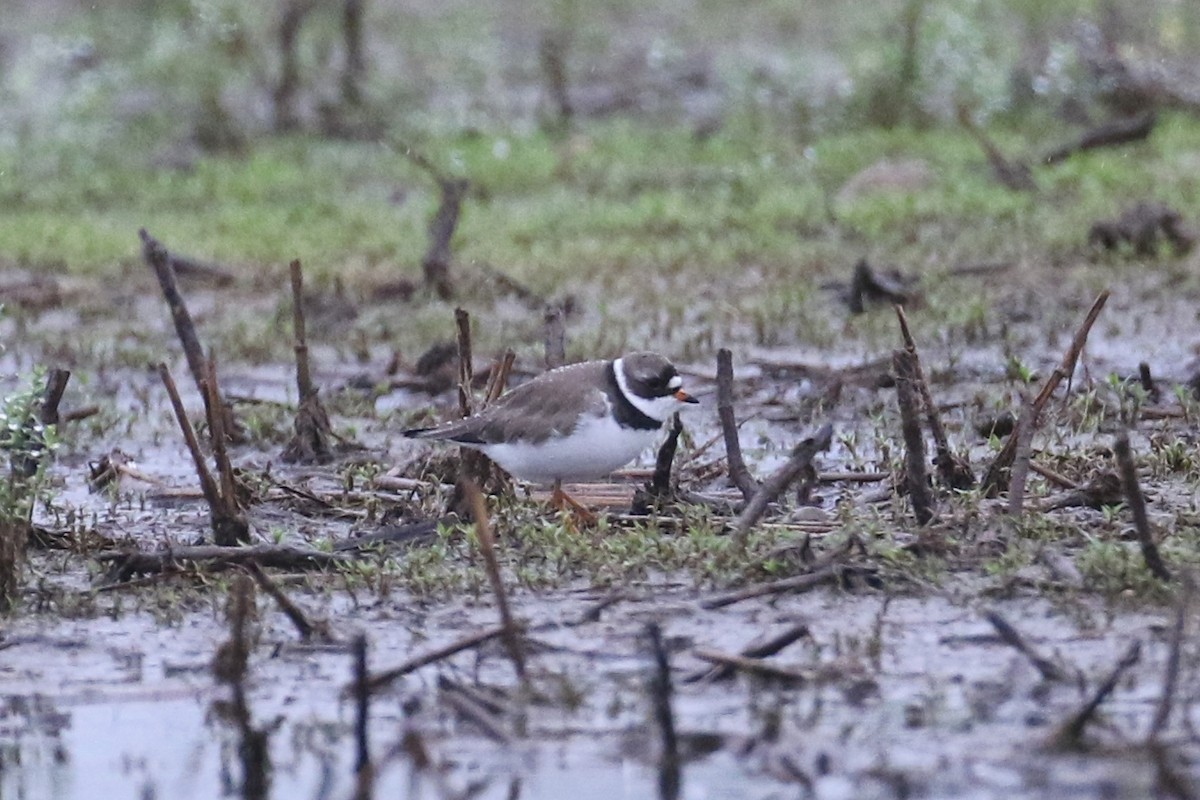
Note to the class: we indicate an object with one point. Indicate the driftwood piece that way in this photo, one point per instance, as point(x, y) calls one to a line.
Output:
point(1121, 131)
point(916, 480)
point(125, 564)
point(997, 477)
point(800, 460)
point(1137, 507)
point(739, 475)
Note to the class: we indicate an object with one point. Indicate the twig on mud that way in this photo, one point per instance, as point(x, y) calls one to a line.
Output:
point(1048, 669)
point(157, 257)
point(224, 531)
point(305, 627)
point(363, 774)
point(739, 475)
point(1052, 476)
point(1162, 712)
point(593, 612)
point(669, 779)
point(1021, 460)
point(310, 443)
point(1121, 131)
point(1069, 733)
point(764, 650)
point(126, 564)
point(1137, 507)
point(380, 680)
point(801, 459)
point(487, 549)
point(915, 479)
point(997, 476)
point(953, 470)
point(556, 337)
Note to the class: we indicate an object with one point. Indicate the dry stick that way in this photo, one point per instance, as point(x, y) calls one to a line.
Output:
point(729, 663)
point(1137, 506)
point(556, 337)
point(738, 473)
point(160, 261)
point(498, 377)
point(660, 697)
point(1162, 712)
point(487, 548)
point(996, 479)
point(796, 583)
point(229, 526)
point(953, 472)
point(382, 679)
point(293, 612)
point(767, 648)
point(471, 709)
point(212, 557)
point(1070, 732)
point(207, 485)
point(466, 373)
point(1021, 460)
point(660, 482)
point(904, 364)
point(1045, 667)
point(362, 707)
point(801, 459)
point(310, 443)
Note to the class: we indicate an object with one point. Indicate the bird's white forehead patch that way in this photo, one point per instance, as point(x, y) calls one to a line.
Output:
point(675, 382)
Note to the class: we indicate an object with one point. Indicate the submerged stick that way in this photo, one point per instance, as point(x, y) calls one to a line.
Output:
point(1162, 712)
point(915, 479)
point(768, 648)
point(207, 485)
point(293, 612)
point(1050, 671)
point(997, 478)
point(739, 475)
point(362, 714)
point(1137, 507)
point(380, 680)
point(228, 523)
point(669, 779)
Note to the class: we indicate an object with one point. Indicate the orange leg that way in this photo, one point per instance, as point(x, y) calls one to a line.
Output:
point(564, 502)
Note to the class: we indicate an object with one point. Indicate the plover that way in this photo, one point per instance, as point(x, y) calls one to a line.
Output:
point(577, 422)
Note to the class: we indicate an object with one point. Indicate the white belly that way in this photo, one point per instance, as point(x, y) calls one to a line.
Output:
point(596, 447)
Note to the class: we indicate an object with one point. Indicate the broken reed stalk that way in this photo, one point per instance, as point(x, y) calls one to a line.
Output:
point(207, 485)
point(915, 479)
point(953, 471)
point(304, 382)
point(738, 473)
point(1070, 732)
point(800, 460)
point(487, 549)
point(669, 779)
point(25, 460)
point(159, 260)
point(382, 680)
point(466, 373)
point(997, 477)
point(1022, 460)
point(310, 444)
point(556, 337)
point(293, 612)
point(229, 526)
point(1162, 712)
point(498, 377)
point(1137, 507)
point(1050, 671)
point(363, 774)
point(660, 482)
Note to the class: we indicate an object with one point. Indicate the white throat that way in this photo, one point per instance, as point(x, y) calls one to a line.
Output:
point(658, 408)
